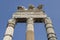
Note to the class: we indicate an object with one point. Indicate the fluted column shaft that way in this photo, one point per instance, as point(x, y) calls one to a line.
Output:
point(30, 29)
point(10, 30)
point(49, 28)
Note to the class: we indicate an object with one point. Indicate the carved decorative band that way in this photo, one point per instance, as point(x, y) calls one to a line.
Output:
point(8, 35)
point(48, 23)
point(51, 37)
point(49, 27)
point(51, 33)
point(11, 26)
point(11, 23)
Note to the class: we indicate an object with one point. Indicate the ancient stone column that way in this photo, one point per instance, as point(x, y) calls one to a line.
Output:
point(49, 28)
point(30, 29)
point(10, 30)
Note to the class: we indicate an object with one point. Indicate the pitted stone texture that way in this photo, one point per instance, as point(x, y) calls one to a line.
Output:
point(10, 29)
point(48, 20)
point(30, 24)
point(52, 39)
point(29, 14)
point(13, 21)
point(30, 27)
point(7, 38)
point(49, 25)
point(49, 29)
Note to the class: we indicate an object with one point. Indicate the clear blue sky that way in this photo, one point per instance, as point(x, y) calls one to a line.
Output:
point(8, 7)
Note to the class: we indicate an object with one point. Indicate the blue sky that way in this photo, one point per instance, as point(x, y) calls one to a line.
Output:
point(51, 8)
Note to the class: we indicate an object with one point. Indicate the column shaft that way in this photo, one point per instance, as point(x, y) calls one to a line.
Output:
point(10, 29)
point(30, 29)
point(49, 28)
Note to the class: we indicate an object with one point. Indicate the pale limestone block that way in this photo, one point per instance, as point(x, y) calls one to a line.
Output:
point(12, 21)
point(49, 25)
point(30, 27)
point(50, 30)
point(50, 35)
point(52, 39)
point(48, 20)
point(7, 38)
point(10, 30)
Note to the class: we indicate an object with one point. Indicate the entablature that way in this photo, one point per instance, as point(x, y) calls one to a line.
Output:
point(29, 14)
